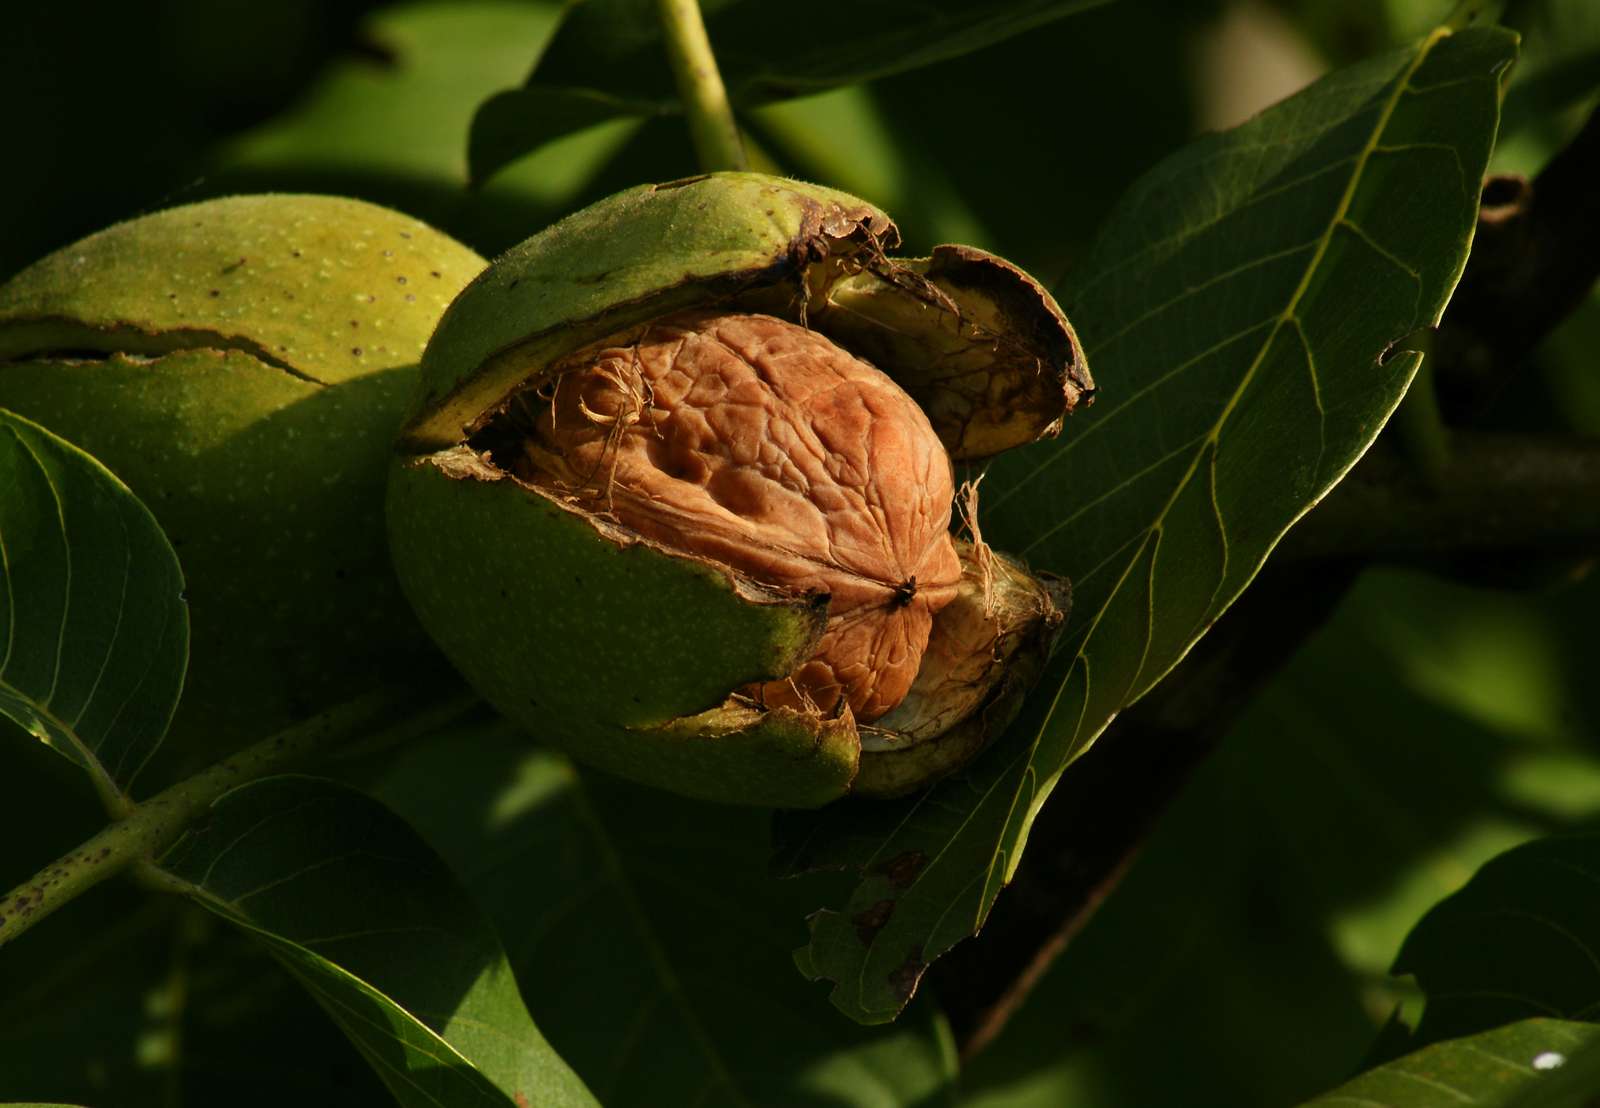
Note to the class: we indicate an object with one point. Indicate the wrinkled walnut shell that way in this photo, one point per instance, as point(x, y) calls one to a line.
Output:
point(714, 628)
point(764, 446)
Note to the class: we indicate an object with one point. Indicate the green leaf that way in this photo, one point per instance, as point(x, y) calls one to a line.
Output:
point(392, 132)
point(402, 120)
point(95, 630)
point(650, 939)
point(1561, 59)
point(380, 933)
point(607, 59)
point(1426, 728)
point(1238, 312)
point(1522, 939)
point(1513, 1067)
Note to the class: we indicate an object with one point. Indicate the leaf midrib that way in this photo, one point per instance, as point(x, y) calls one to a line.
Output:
point(1210, 440)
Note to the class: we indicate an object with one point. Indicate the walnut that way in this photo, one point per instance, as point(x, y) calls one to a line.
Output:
point(759, 444)
point(659, 505)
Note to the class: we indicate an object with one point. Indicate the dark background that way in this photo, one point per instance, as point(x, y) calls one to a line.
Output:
point(1432, 723)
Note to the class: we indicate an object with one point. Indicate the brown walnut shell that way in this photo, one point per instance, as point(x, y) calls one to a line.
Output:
point(764, 446)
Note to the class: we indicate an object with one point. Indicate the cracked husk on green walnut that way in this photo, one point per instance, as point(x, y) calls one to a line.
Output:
point(676, 494)
point(243, 365)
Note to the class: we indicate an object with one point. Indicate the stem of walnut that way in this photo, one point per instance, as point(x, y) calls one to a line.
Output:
point(705, 101)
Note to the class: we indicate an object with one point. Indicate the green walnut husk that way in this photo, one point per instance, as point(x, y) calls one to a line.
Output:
point(628, 653)
point(243, 365)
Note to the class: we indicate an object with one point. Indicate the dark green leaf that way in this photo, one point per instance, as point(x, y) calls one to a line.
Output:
point(607, 58)
point(401, 123)
point(1427, 728)
point(1561, 59)
point(392, 133)
point(1522, 939)
point(1238, 312)
point(1513, 1067)
point(96, 633)
point(519, 121)
point(368, 918)
point(649, 938)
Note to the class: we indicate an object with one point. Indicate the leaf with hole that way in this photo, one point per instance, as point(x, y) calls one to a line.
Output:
point(1240, 310)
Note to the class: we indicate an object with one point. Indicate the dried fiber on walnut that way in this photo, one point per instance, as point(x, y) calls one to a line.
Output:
point(764, 446)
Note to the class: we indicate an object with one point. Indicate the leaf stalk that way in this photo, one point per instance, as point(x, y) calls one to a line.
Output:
point(717, 142)
point(1421, 425)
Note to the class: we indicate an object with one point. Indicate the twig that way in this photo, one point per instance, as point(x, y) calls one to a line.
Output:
point(155, 824)
point(1495, 493)
point(1535, 258)
point(1421, 426)
point(705, 101)
point(1109, 801)
point(1537, 255)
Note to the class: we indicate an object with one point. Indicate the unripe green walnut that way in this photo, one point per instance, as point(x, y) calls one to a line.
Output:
point(243, 365)
point(677, 491)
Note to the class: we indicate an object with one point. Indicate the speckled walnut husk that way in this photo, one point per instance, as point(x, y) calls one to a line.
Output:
point(677, 492)
point(244, 364)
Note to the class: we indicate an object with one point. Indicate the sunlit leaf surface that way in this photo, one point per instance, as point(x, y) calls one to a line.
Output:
point(381, 934)
point(1241, 314)
point(651, 940)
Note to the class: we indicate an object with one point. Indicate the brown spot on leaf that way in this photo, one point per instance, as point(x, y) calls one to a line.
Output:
point(905, 977)
point(871, 920)
point(903, 868)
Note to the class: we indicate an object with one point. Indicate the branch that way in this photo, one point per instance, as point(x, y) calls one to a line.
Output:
point(1494, 493)
point(1535, 258)
point(1104, 807)
point(705, 101)
point(155, 824)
